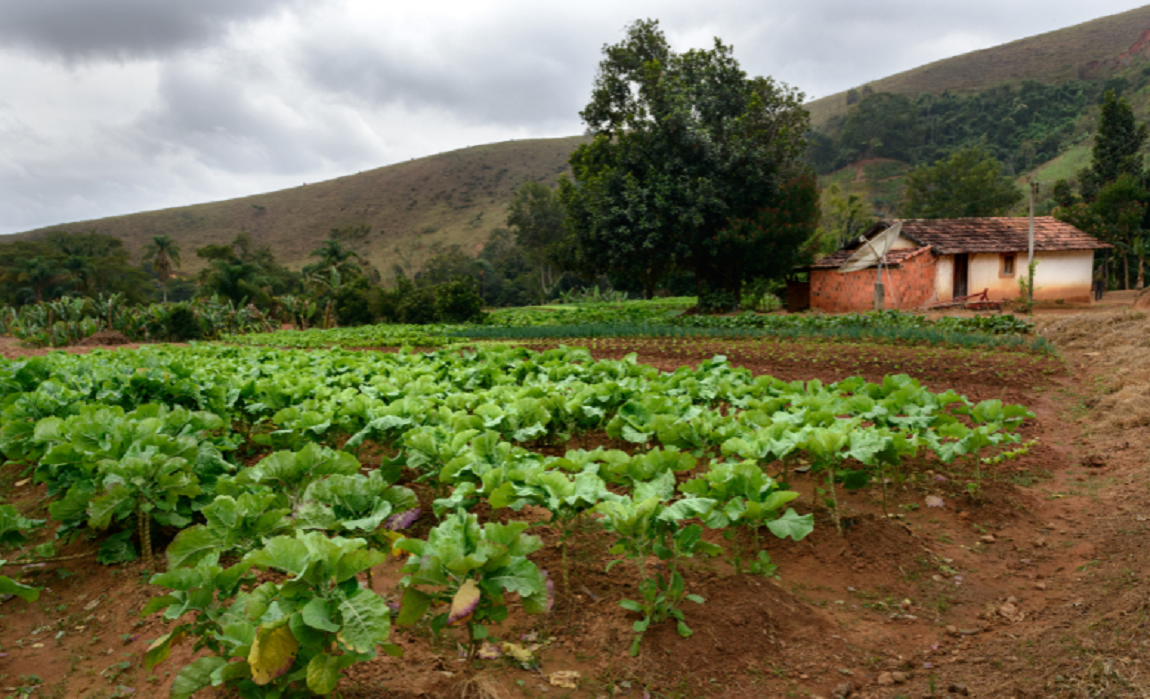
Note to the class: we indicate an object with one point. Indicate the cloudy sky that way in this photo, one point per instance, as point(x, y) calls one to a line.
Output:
point(115, 106)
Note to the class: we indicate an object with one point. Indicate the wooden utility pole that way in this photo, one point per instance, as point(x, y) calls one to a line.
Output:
point(1030, 249)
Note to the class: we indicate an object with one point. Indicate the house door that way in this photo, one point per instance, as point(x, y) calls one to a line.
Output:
point(960, 267)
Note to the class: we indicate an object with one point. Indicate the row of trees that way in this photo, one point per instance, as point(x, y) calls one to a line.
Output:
point(1111, 198)
point(1021, 125)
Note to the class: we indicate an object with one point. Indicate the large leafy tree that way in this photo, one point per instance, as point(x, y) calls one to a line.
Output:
point(686, 150)
point(536, 217)
point(164, 254)
point(970, 182)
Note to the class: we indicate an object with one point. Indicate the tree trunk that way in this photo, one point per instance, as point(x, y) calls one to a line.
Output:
point(1125, 273)
point(1141, 276)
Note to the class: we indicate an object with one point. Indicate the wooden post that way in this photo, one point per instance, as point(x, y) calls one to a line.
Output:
point(1030, 249)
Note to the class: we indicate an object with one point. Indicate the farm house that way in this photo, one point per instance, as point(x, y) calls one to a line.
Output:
point(930, 260)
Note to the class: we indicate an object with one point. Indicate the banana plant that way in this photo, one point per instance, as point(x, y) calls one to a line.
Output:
point(464, 571)
point(650, 527)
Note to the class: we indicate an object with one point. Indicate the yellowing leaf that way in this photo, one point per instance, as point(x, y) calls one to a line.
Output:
point(565, 678)
point(464, 603)
point(272, 654)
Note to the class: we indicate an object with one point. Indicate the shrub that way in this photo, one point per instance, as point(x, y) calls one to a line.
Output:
point(458, 301)
point(183, 325)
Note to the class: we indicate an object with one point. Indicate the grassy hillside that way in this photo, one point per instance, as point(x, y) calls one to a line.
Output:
point(450, 198)
point(1084, 51)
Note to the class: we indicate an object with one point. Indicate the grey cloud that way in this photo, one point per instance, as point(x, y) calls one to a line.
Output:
point(496, 71)
point(123, 29)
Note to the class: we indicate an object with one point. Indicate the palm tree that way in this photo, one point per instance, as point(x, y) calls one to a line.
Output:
point(163, 252)
point(332, 256)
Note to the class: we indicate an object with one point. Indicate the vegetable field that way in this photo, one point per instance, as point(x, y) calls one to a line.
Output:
point(496, 520)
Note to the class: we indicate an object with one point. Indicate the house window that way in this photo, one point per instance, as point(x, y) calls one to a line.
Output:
point(1007, 266)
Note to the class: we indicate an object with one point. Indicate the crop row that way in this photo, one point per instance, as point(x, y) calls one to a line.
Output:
point(131, 442)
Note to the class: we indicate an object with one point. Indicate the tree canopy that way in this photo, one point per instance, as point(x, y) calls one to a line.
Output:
point(66, 264)
point(968, 182)
point(1117, 147)
point(536, 217)
point(690, 164)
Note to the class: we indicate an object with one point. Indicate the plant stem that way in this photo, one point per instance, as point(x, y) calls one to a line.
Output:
point(145, 522)
point(834, 501)
point(563, 546)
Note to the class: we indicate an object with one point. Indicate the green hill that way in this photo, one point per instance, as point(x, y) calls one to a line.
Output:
point(1091, 50)
point(450, 198)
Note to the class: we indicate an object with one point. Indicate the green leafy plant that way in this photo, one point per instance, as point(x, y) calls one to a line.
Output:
point(288, 639)
point(650, 527)
point(14, 527)
point(148, 483)
point(234, 525)
point(465, 571)
point(8, 586)
point(745, 495)
point(371, 507)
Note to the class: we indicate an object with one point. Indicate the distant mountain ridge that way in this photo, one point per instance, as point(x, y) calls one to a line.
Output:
point(453, 198)
point(1080, 52)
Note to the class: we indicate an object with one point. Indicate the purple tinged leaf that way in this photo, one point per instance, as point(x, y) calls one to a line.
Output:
point(403, 520)
point(934, 501)
point(489, 651)
point(464, 603)
point(550, 591)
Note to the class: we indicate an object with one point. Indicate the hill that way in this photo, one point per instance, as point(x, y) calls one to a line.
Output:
point(1086, 51)
point(451, 198)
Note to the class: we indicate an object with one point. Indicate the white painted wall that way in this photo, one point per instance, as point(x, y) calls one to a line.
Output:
point(1060, 275)
point(944, 276)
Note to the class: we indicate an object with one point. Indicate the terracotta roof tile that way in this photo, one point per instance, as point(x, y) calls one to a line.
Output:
point(950, 236)
point(997, 234)
point(894, 258)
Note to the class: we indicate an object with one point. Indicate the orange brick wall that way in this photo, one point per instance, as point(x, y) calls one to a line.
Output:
point(913, 284)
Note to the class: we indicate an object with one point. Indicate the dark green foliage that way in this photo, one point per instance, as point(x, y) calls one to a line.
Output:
point(458, 301)
point(1022, 126)
point(686, 148)
point(353, 303)
point(1117, 146)
point(417, 306)
point(719, 301)
point(969, 182)
point(69, 264)
point(183, 324)
point(243, 275)
point(536, 217)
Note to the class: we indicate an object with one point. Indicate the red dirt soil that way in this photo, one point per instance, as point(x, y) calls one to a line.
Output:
point(1036, 589)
